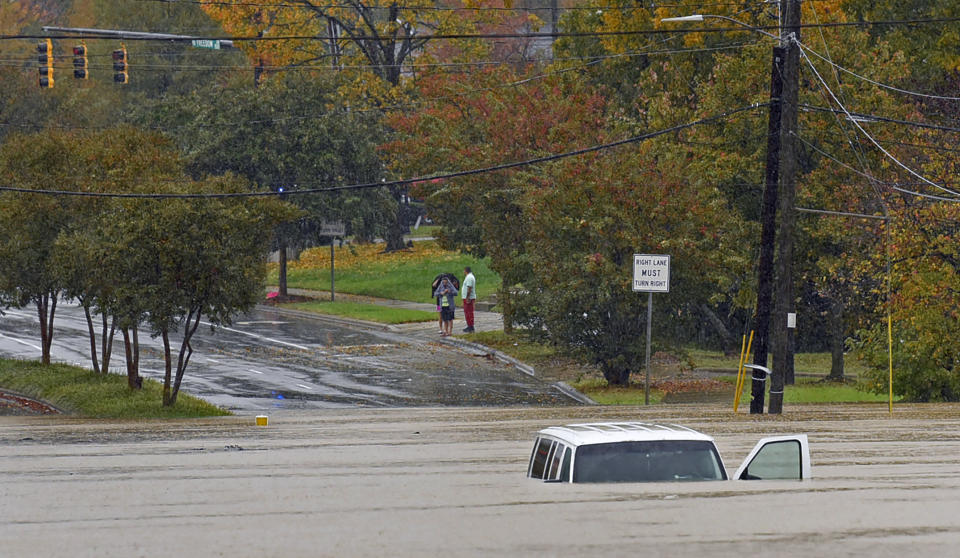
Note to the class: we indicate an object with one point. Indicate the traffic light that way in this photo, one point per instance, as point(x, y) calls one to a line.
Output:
point(80, 62)
point(45, 57)
point(120, 65)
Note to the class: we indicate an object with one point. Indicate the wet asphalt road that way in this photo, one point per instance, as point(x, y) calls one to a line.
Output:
point(450, 482)
point(276, 359)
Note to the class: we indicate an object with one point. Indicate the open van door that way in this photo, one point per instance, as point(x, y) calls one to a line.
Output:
point(777, 458)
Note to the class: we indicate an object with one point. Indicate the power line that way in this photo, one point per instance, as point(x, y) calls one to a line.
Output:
point(877, 83)
point(863, 117)
point(867, 134)
point(468, 36)
point(892, 185)
point(450, 8)
point(401, 182)
point(15, 62)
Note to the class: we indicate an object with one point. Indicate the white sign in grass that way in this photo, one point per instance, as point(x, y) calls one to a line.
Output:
point(651, 273)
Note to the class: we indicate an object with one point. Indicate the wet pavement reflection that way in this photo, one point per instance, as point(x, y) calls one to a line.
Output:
point(273, 359)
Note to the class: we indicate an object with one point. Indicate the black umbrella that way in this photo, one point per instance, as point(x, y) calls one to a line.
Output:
point(436, 281)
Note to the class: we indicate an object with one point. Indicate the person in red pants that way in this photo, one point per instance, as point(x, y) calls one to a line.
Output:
point(469, 293)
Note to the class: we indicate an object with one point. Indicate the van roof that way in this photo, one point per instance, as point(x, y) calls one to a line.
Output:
point(607, 432)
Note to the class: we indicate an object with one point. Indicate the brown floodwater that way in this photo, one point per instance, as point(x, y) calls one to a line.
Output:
point(450, 481)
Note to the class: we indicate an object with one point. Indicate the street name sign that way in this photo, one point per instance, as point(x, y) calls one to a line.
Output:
point(651, 273)
point(206, 43)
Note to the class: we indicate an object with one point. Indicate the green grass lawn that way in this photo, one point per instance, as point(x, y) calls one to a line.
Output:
point(424, 231)
point(92, 395)
point(361, 311)
point(811, 390)
point(366, 270)
point(804, 363)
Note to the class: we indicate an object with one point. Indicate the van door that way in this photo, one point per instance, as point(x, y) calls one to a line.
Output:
point(777, 458)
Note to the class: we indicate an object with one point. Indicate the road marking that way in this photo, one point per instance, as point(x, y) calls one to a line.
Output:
point(305, 387)
point(268, 322)
point(265, 338)
point(256, 371)
point(213, 361)
point(22, 342)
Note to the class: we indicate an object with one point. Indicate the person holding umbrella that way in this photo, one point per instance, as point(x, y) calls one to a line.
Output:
point(433, 289)
point(446, 295)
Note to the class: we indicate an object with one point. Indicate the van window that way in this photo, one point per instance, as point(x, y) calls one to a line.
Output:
point(555, 461)
point(565, 467)
point(662, 460)
point(538, 460)
point(775, 460)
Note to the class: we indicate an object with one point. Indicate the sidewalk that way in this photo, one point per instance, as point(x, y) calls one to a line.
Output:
point(484, 320)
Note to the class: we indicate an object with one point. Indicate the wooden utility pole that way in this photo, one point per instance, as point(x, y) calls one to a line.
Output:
point(781, 335)
point(768, 216)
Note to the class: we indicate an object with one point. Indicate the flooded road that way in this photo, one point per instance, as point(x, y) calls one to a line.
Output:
point(428, 482)
point(273, 359)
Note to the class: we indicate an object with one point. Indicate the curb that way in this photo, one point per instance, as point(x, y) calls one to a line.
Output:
point(562, 387)
point(31, 403)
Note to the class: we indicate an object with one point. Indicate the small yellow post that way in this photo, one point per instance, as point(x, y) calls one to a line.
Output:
point(741, 373)
point(890, 359)
point(736, 388)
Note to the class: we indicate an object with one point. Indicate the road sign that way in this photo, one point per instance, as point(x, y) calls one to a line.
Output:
point(335, 228)
point(651, 273)
point(206, 43)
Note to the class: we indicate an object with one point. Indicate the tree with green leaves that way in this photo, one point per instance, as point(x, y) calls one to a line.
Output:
point(291, 133)
point(187, 260)
point(31, 223)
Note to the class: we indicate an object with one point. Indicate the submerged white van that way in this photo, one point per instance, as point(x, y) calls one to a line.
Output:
point(641, 452)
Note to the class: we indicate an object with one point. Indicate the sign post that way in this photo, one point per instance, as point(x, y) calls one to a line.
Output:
point(333, 230)
point(651, 274)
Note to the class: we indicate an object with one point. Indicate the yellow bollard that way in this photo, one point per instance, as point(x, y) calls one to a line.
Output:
point(736, 386)
point(741, 373)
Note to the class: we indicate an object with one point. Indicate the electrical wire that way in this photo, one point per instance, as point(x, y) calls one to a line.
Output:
point(66, 67)
point(853, 116)
point(451, 8)
point(468, 36)
point(892, 185)
point(877, 83)
point(870, 137)
point(405, 181)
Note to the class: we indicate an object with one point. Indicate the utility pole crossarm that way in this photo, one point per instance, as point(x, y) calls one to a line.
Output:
point(122, 34)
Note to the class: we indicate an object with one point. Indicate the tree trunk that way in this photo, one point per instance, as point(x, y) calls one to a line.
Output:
point(46, 309)
point(616, 376)
point(131, 346)
point(167, 369)
point(106, 341)
point(727, 341)
point(282, 272)
point(506, 308)
point(186, 350)
point(837, 345)
point(397, 228)
point(93, 337)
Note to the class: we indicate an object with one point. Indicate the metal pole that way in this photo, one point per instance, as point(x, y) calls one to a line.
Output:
point(122, 34)
point(646, 381)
